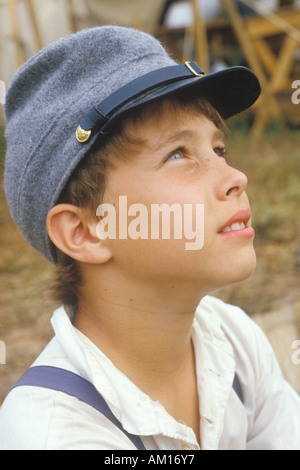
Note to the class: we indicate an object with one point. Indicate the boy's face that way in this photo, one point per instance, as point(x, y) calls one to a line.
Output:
point(181, 161)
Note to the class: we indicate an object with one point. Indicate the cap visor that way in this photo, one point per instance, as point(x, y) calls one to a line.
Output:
point(230, 91)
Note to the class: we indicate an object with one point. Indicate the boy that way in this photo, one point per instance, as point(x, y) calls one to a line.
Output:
point(104, 117)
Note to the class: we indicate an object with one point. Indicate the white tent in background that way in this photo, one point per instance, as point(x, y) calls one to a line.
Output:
point(28, 25)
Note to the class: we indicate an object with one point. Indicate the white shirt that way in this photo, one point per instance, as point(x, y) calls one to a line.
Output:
point(225, 341)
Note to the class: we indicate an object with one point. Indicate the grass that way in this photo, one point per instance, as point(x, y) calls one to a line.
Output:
point(272, 167)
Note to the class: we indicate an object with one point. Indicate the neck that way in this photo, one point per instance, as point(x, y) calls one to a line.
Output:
point(145, 332)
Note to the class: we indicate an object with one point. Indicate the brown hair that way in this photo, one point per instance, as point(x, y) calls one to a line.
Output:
point(86, 187)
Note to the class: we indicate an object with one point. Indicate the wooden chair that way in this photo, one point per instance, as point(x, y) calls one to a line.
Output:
point(202, 55)
point(274, 70)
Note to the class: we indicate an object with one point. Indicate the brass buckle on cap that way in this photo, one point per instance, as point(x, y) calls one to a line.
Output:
point(188, 65)
point(82, 135)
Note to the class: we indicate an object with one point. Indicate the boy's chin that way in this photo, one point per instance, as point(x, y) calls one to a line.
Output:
point(238, 271)
point(244, 272)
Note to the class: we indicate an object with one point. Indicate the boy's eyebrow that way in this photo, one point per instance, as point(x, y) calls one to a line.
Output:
point(184, 134)
point(172, 138)
point(220, 135)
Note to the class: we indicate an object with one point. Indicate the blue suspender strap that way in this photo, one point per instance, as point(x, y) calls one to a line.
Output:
point(237, 388)
point(72, 384)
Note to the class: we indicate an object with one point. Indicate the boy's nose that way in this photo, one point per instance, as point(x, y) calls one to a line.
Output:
point(232, 183)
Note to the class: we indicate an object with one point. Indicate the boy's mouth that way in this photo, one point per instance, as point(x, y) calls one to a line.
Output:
point(234, 227)
point(239, 223)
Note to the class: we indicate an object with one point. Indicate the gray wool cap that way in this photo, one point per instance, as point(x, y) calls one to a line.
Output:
point(54, 115)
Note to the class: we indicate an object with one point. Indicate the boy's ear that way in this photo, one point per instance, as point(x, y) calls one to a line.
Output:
point(71, 232)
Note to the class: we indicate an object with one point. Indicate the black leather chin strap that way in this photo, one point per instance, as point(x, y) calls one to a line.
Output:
point(100, 115)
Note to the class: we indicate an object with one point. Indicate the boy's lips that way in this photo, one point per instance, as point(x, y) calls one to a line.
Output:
point(239, 225)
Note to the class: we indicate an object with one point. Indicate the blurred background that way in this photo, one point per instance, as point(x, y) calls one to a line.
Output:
point(264, 143)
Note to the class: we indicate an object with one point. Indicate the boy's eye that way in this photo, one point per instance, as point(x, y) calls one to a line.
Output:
point(221, 152)
point(181, 154)
point(177, 155)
